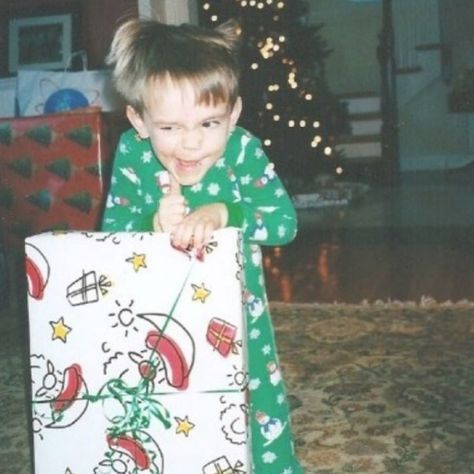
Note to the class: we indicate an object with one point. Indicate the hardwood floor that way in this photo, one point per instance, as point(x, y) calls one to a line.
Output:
point(403, 243)
point(332, 268)
point(404, 250)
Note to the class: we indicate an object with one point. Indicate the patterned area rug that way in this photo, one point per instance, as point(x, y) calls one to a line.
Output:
point(380, 388)
point(384, 388)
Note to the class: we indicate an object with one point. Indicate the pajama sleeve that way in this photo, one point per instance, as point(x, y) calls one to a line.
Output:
point(269, 217)
point(126, 208)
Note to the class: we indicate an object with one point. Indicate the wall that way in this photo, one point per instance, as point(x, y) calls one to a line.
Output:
point(457, 19)
point(95, 23)
point(351, 30)
point(430, 135)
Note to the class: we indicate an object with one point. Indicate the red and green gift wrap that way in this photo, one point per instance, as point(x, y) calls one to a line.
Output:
point(52, 173)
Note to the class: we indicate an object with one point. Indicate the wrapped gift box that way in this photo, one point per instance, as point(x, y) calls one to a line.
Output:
point(137, 356)
point(52, 171)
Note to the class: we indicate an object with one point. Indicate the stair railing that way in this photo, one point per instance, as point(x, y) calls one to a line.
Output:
point(387, 64)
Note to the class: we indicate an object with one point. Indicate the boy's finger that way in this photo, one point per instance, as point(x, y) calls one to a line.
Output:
point(175, 187)
point(183, 236)
point(163, 181)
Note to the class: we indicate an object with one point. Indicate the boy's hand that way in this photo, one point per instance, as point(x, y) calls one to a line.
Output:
point(172, 208)
point(195, 230)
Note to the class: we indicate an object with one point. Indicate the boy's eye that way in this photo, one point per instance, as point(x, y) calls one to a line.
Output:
point(210, 123)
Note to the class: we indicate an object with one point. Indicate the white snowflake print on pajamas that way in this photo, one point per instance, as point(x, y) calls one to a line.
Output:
point(254, 384)
point(268, 457)
point(254, 333)
point(220, 163)
point(247, 179)
point(281, 231)
point(148, 198)
point(147, 156)
point(123, 148)
point(213, 189)
point(195, 188)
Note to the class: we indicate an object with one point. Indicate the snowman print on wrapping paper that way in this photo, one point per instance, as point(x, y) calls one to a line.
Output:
point(59, 396)
point(234, 421)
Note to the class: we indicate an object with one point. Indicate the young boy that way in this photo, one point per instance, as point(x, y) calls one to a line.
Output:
point(187, 169)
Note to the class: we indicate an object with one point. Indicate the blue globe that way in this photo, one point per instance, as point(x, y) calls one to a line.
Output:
point(65, 99)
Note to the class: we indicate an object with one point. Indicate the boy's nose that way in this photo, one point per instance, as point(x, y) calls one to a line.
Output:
point(192, 139)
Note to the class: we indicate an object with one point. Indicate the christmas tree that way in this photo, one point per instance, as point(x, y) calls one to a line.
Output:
point(287, 101)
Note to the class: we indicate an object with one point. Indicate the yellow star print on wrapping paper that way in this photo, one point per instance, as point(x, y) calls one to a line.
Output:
point(183, 425)
point(200, 292)
point(60, 330)
point(138, 260)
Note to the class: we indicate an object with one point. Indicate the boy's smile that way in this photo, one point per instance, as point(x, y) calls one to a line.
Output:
point(187, 137)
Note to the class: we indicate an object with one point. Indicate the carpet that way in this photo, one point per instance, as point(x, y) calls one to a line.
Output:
point(381, 388)
point(374, 388)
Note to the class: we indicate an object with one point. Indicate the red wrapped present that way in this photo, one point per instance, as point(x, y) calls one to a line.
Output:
point(221, 335)
point(52, 173)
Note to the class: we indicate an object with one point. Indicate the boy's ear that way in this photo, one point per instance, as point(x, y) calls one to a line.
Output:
point(137, 122)
point(236, 111)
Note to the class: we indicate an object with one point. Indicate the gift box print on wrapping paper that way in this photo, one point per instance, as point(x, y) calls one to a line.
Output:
point(51, 173)
point(137, 359)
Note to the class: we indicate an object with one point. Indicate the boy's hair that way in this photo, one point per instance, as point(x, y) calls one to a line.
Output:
point(146, 50)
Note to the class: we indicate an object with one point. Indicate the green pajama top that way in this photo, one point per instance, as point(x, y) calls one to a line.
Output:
point(245, 179)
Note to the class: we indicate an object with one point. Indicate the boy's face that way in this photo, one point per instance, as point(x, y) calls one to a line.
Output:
point(187, 137)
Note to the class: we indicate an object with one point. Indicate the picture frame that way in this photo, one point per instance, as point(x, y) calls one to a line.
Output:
point(39, 42)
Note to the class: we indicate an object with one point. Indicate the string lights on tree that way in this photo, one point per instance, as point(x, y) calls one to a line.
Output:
point(287, 101)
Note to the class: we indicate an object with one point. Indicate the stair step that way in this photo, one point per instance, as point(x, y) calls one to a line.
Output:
point(361, 105)
point(363, 160)
point(365, 116)
point(359, 94)
point(408, 70)
point(356, 150)
point(429, 46)
point(366, 127)
point(367, 138)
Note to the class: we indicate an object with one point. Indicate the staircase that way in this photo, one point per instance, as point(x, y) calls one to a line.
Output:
point(430, 136)
point(361, 150)
point(418, 72)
